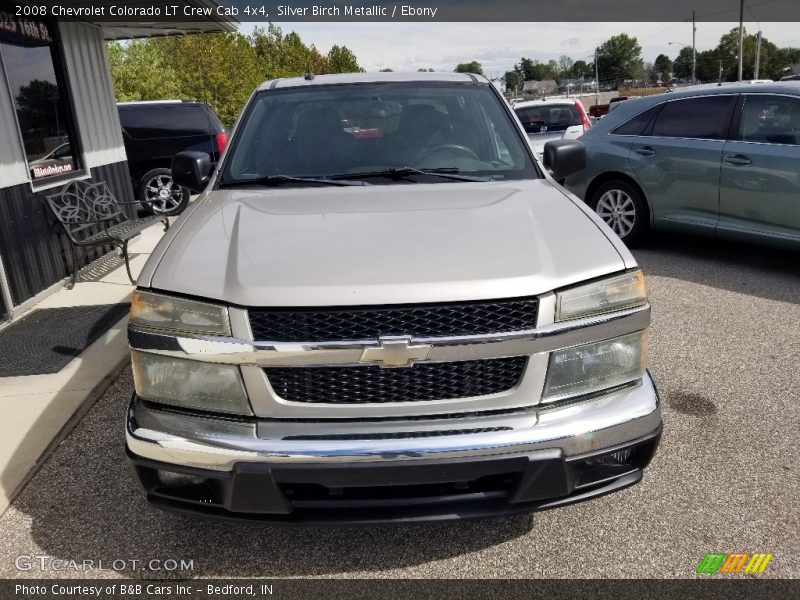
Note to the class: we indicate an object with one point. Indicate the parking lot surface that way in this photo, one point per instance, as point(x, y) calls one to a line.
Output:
point(724, 353)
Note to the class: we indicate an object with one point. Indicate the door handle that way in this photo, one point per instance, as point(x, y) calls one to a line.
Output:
point(645, 151)
point(738, 160)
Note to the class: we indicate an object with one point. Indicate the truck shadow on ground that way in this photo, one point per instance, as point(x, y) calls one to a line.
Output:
point(769, 273)
point(84, 504)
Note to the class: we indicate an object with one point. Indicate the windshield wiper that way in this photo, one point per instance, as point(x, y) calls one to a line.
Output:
point(270, 180)
point(400, 172)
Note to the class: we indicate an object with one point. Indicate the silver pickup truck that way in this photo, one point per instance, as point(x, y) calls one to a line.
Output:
point(383, 308)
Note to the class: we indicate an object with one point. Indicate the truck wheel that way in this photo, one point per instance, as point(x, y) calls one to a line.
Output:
point(160, 195)
point(621, 205)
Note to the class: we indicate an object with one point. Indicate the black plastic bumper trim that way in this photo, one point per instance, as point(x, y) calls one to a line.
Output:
point(538, 481)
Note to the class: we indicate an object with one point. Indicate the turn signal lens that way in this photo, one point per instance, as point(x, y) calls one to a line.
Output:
point(606, 295)
point(159, 311)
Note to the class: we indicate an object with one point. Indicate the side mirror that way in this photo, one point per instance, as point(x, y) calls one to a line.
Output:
point(564, 158)
point(191, 170)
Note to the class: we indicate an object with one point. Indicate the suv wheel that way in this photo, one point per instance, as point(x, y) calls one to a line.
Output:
point(160, 195)
point(623, 208)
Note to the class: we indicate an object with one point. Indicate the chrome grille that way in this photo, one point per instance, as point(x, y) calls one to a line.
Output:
point(371, 322)
point(372, 384)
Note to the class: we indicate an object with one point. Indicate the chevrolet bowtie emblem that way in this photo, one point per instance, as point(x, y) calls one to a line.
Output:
point(396, 352)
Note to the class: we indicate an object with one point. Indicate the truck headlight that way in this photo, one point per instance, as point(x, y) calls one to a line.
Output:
point(189, 383)
point(159, 311)
point(594, 367)
point(606, 295)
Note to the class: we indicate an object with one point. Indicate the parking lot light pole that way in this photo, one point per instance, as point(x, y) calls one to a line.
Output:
point(596, 80)
point(741, 37)
point(694, 49)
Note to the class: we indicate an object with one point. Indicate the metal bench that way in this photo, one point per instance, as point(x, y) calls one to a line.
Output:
point(92, 216)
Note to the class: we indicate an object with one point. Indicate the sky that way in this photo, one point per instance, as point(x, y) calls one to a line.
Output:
point(498, 46)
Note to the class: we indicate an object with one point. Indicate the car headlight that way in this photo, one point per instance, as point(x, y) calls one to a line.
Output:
point(606, 295)
point(595, 367)
point(189, 383)
point(178, 314)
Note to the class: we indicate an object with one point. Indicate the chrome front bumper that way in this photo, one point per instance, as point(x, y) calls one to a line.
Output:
point(213, 443)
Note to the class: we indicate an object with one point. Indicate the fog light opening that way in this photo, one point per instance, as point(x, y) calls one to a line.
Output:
point(173, 479)
point(618, 458)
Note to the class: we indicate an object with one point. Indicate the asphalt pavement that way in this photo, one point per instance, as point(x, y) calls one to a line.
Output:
point(724, 353)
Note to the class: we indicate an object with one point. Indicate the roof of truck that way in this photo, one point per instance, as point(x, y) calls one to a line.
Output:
point(343, 78)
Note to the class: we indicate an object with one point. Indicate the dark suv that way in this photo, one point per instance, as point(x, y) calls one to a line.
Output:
point(153, 133)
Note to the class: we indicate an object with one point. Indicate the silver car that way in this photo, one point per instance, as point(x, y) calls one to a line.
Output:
point(554, 119)
point(414, 324)
point(721, 161)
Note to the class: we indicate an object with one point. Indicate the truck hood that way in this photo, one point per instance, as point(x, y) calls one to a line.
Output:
point(381, 244)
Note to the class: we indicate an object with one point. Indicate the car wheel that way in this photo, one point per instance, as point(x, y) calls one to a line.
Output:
point(621, 205)
point(160, 195)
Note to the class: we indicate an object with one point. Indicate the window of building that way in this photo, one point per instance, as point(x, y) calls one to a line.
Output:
point(706, 118)
point(35, 78)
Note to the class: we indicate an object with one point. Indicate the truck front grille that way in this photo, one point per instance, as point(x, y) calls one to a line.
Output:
point(372, 384)
point(371, 322)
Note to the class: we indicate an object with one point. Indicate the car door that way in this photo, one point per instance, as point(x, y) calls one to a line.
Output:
point(760, 176)
point(677, 161)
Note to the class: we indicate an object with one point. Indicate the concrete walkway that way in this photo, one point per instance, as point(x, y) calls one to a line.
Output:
point(38, 411)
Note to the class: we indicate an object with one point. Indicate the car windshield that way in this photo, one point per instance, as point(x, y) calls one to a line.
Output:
point(549, 117)
point(388, 133)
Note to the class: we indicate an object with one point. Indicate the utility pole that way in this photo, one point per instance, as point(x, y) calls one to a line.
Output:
point(741, 37)
point(720, 71)
point(596, 80)
point(694, 50)
point(758, 55)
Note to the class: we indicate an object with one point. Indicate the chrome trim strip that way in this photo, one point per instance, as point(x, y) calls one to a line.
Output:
point(212, 443)
point(306, 354)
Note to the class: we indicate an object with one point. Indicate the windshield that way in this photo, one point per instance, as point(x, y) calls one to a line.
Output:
point(551, 117)
point(369, 130)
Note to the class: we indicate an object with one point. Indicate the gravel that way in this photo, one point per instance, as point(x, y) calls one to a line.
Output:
point(724, 353)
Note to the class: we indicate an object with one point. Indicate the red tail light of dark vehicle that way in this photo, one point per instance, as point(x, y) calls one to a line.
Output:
point(222, 141)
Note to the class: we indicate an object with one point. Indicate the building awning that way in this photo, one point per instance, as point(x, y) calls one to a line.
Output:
point(145, 18)
point(127, 31)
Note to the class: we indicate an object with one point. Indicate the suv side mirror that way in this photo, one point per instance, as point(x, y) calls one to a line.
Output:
point(191, 170)
point(564, 158)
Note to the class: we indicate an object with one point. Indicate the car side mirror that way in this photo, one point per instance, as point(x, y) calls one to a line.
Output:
point(563, 158)
point(191, 170)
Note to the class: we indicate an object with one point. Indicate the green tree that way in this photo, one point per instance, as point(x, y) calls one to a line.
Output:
point(470, 67)
point(286, 55)
point(618, 58)
point(219, 69)
point(564, 70)
point(708, 64)
point(682, 67)
point(581, 69)
point(787, 57)
point(141, 72)
point(662, 67)
point(527, 68)
point(532, 69)
point(513, 80)
point(342, 60)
